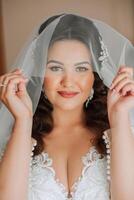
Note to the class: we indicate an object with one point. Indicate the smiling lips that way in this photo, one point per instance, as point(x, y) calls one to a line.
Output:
point(67, 94)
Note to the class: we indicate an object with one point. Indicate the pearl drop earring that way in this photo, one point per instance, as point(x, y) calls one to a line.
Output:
point(45, 96)
point(90, 97)
point(44, 93)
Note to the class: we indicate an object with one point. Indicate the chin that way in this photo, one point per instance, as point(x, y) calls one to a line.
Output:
point(68, 106)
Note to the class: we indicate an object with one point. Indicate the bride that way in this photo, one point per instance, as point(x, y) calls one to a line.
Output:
point(68, 104)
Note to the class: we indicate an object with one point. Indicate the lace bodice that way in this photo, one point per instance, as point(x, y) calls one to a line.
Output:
point(92, 184)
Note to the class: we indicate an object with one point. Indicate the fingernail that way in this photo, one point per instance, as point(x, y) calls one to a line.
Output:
point(19, 69)
point(111, 86)
point(113, 91)
point(26, 78)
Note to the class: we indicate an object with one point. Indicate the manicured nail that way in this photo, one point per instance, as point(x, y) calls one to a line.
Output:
point(111, 86)
point(113, 90)
point(26, 78)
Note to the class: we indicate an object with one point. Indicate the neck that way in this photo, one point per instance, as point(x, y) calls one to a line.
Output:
point(68, 118)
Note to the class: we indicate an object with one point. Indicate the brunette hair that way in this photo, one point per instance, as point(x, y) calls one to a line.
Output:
point(96, 116)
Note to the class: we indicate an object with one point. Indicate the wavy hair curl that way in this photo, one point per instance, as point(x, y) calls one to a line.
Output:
point(79, 28)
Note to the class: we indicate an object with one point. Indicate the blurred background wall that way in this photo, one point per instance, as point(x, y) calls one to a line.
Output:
point(2, 52)
point(19, 17)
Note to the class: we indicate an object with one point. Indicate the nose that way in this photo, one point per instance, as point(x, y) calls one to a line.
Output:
point(67, 80)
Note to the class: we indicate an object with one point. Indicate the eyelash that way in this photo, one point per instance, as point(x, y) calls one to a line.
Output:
point(85, 69)
point(56, 67)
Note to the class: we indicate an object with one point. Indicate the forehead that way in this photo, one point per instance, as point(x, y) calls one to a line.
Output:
point(68, 49)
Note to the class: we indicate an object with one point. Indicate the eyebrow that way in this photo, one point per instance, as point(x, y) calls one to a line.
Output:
point(79, 63)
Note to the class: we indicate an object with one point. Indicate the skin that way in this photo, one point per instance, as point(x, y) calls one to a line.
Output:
point(68, 76)
point(120, 102)
point(70, 125)
point(63, 74)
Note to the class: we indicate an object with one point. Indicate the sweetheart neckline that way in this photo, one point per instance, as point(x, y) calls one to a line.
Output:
point(87, 159)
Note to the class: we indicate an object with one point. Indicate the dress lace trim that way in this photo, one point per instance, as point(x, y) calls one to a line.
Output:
point(88, 159)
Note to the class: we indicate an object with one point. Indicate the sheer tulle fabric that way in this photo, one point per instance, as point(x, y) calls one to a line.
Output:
point(115, 51)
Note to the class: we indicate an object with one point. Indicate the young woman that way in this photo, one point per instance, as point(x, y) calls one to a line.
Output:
point(72, 104)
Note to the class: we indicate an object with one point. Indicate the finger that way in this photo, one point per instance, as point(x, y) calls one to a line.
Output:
point(4, 76)
point(17, 70)
point(127, 69)
point(22, 89)
point(118, 78)
point(12, 87)
point(11, 76)
point(122, 83)
point(8, 78)
point(4, 79)
point(128, 88)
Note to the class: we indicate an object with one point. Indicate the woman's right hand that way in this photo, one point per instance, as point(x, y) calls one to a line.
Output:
point(14, 94)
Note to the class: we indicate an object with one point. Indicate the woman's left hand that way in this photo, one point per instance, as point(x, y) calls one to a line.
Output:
point(121, 93)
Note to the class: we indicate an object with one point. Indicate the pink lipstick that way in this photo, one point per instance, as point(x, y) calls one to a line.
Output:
point(67, 94)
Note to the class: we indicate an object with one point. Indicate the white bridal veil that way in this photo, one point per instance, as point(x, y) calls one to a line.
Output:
point(116, 50)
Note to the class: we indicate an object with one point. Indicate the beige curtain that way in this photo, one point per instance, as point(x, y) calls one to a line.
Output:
point(2, 57)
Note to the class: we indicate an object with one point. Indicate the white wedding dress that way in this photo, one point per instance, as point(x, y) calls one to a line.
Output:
point(91, 185)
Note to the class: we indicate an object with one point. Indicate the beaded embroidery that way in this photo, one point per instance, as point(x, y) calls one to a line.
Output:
point(107, 138)
point(104, 53)
point(45, 161)
point(108, 146)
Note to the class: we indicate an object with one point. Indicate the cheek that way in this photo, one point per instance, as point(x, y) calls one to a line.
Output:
point(50, 83)
point(87, 83)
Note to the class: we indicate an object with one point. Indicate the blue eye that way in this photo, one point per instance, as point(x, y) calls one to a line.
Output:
point(55, 68)
point(81, 69)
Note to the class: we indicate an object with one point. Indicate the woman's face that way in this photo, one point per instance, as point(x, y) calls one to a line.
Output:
point(68, 70)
